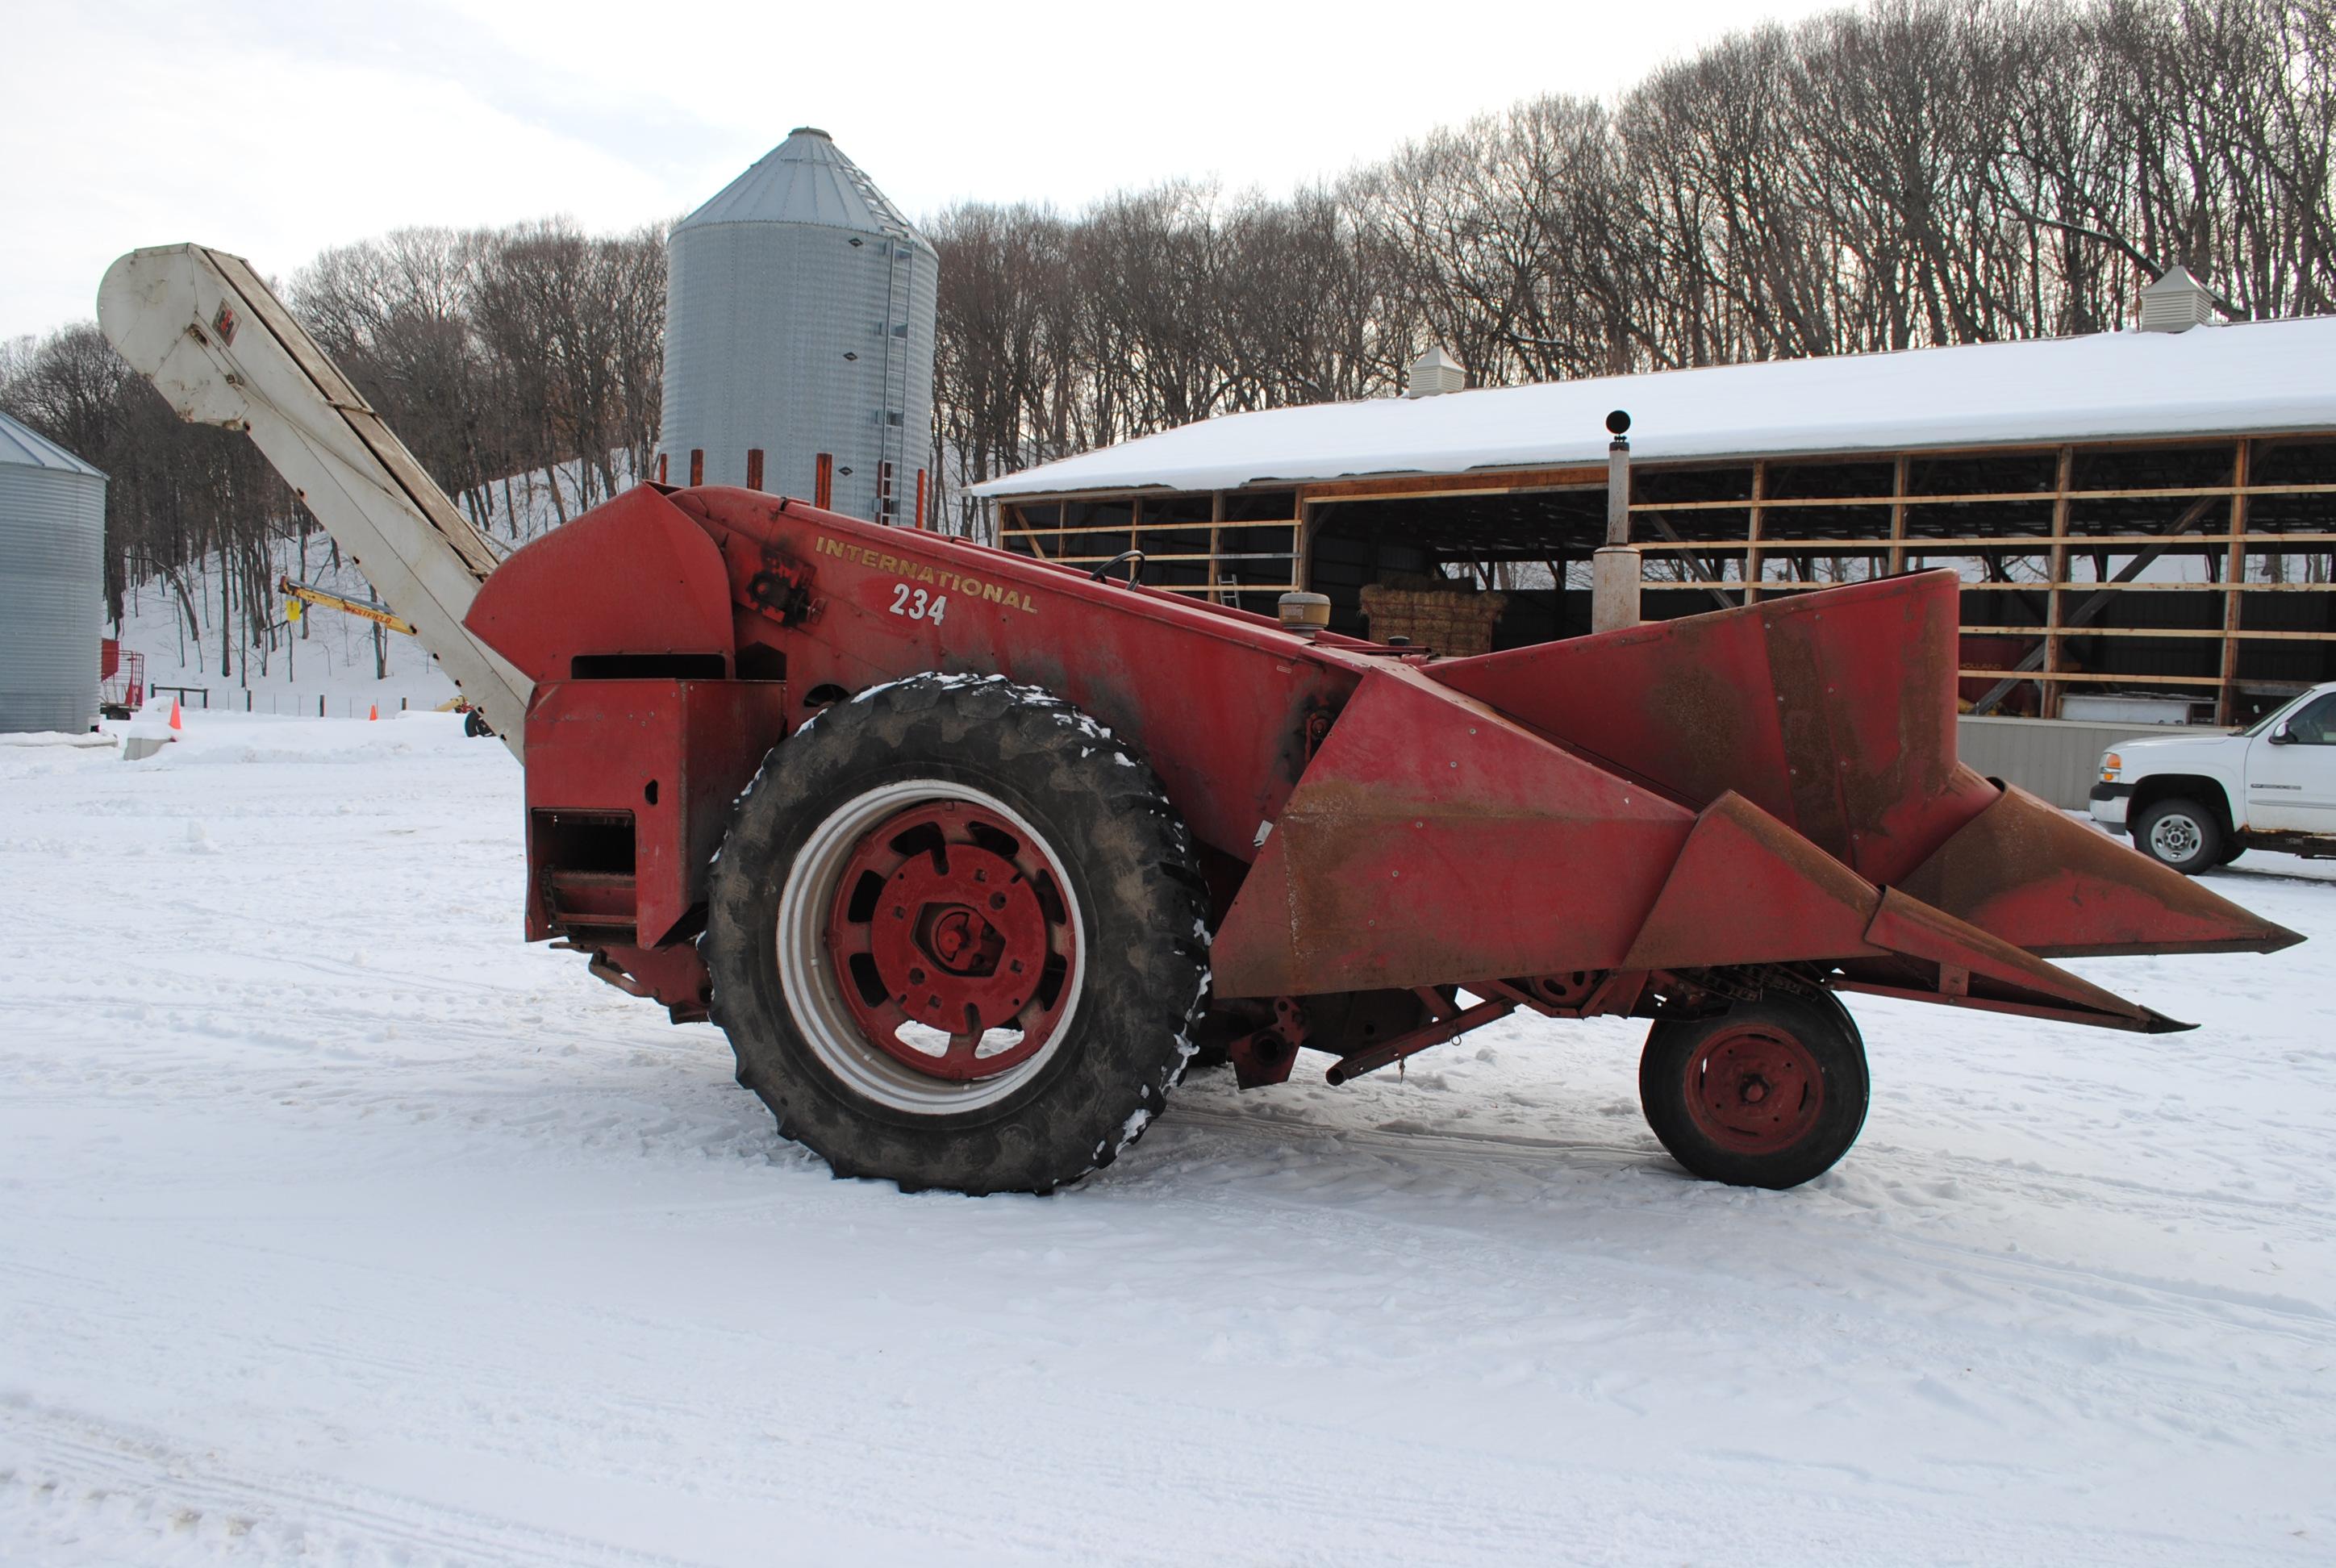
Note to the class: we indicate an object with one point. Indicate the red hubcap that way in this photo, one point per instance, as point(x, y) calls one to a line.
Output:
point(949, 933)
point(1754, 1090)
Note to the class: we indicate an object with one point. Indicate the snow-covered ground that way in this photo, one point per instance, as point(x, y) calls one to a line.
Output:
point(339, 1225)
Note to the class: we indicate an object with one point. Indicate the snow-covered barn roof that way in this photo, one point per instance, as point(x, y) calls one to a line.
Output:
point(2245, 377)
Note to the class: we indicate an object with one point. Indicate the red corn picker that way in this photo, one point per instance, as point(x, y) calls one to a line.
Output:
point(969, 853)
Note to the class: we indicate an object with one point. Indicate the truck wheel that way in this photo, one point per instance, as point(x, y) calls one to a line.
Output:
point(1768, 1094)
point(958, 937)
point(2180, 834)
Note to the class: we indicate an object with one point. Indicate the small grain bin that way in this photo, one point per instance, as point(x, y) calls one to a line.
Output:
point(51, 590)
point(799, 338)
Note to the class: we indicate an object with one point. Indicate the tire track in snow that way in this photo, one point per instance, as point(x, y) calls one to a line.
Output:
point(1578, 1170)
point(61, 1465)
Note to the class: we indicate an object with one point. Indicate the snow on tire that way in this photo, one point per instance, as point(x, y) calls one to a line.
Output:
point(958, 937)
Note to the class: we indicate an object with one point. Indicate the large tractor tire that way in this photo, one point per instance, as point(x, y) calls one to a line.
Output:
point(958, 937)
point(1768, 1094)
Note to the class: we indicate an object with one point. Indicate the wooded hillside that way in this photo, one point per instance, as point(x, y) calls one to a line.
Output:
point(1914, 173)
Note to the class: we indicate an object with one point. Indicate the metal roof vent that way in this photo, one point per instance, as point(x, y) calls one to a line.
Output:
point(1434, 372)
point(2176, 302)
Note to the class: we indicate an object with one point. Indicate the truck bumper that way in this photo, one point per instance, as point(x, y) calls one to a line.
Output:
point(2110, 803)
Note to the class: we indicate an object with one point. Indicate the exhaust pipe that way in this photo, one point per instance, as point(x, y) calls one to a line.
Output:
point(1614, 569)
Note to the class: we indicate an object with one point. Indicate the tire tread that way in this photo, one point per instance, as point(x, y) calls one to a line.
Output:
point(1140, 879)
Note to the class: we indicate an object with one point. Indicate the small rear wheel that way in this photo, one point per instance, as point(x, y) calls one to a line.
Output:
point(2182, 835)
point(1768, 1094)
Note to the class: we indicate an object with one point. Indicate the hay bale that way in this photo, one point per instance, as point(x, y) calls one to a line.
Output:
point(1453, 621)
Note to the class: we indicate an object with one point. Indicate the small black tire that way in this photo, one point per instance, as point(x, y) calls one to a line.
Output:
point(2182, 835)
point(475, 724)
point(1829, 999)
point(1081, 819)
point(1768, 1094)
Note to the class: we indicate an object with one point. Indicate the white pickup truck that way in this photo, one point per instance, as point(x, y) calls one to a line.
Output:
point(2194, 802)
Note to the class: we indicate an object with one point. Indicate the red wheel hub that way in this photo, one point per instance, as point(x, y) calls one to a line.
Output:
point(947, 925)
point(1755, 1089)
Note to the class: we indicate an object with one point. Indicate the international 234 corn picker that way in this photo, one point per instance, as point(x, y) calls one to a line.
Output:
point(969, 853)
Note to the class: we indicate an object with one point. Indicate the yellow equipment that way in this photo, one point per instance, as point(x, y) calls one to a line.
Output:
point(298, 595)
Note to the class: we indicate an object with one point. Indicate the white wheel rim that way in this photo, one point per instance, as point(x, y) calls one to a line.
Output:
point(2176, 837)
point(810, 983)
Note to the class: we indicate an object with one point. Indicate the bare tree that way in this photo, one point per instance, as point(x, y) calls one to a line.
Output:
point(1901, 173)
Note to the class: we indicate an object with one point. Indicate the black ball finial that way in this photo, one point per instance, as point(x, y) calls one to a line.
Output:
point(1618, 423)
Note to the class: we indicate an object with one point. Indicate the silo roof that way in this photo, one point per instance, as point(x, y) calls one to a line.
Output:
point(805, 179)
point(21, 447)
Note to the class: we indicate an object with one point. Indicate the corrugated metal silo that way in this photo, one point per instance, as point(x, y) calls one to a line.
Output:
point(799, 337)
point(52, 588)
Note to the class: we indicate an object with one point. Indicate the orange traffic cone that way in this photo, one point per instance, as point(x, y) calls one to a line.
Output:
point(373, 714)
point(175, 722)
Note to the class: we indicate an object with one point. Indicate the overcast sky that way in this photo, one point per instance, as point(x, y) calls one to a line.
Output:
point(275, 128)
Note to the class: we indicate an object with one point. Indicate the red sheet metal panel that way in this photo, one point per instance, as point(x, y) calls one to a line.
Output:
point(632, 576)
point(1904, 925)
point(672, 754)
point(1434, 841)
point(1218, 701)
point(1833, 712)
point(1748, 889)
point(2045, 881)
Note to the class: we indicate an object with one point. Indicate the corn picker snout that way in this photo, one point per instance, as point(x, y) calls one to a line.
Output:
point(969, 853)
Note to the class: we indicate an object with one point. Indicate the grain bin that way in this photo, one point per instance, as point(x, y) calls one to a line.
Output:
point(799, 337)
point(51, 590)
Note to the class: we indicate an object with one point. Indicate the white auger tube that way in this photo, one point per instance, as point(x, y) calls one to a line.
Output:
point(223, 350)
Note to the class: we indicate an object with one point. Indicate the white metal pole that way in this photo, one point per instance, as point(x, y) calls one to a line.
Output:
point(1615, 574)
